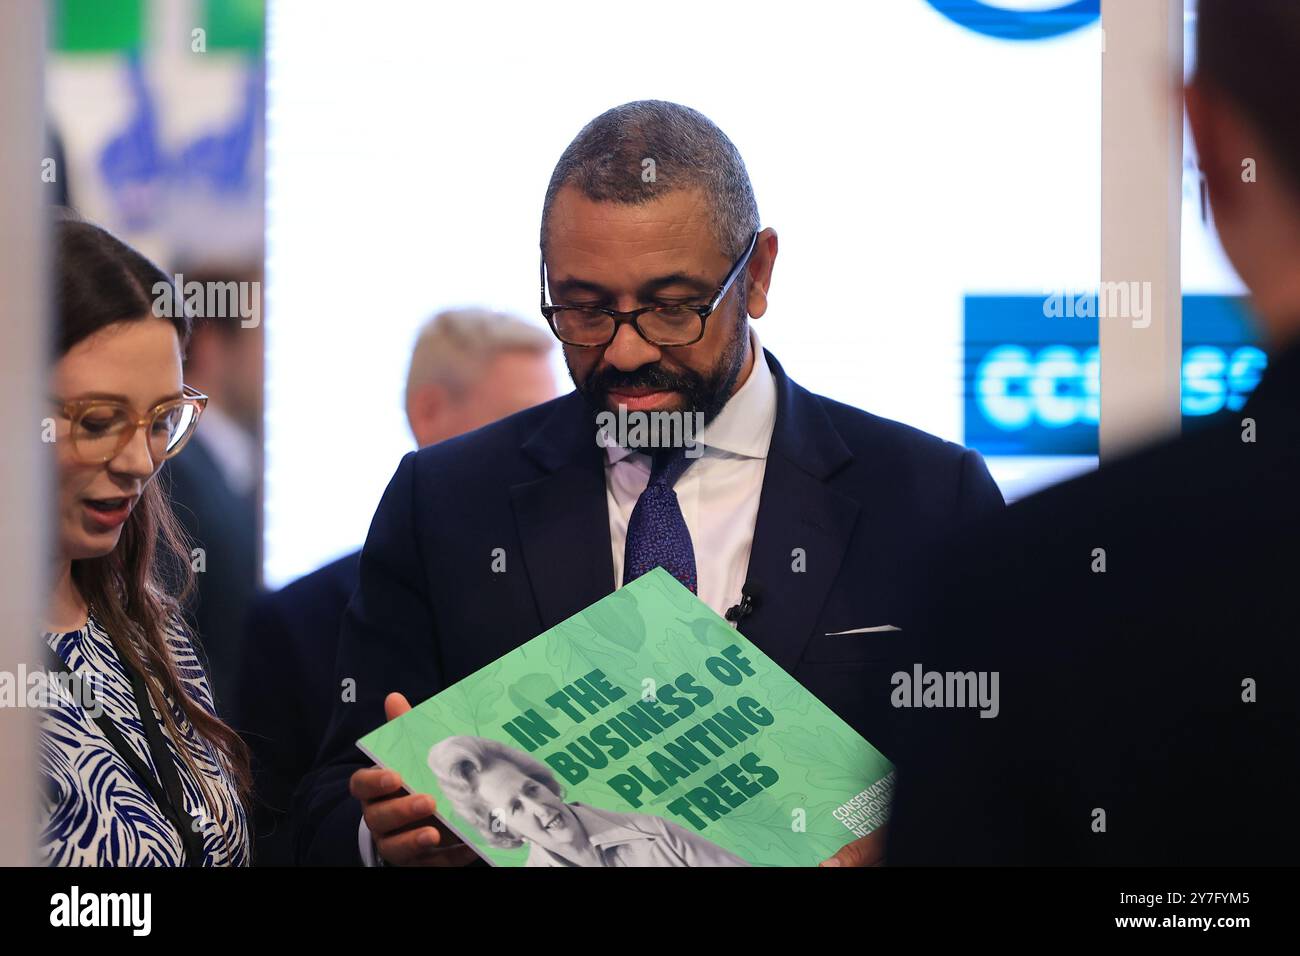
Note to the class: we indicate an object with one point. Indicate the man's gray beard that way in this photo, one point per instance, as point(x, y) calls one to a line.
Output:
point(709, 401)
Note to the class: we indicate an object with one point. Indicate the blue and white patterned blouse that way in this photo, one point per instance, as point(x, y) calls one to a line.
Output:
point(97, 811)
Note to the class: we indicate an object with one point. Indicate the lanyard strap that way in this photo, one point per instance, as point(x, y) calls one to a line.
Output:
point(170, 800)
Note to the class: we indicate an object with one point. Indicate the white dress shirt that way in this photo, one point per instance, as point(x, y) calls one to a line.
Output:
point(232, 448)
point(718, 493)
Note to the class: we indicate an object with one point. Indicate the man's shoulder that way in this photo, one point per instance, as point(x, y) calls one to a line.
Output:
point(304, 614)
point(1199, 508)
point(921, 483)
point(874, 438)
point(331, 581)
point(862, 429)
point(1188, 478)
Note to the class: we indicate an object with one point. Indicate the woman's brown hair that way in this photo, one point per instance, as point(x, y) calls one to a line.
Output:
point(138, 590)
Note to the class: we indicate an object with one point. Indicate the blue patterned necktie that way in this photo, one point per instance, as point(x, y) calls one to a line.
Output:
point(656, 533)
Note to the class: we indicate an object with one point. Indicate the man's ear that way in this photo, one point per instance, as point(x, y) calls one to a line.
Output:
point(760, 273)
point(424, 405)
point(1219, 139)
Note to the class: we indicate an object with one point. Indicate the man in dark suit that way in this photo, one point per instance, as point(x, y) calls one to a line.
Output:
point(469, 367)
point(654, 261)
point(215, 483)
point(221, 520)
point(1141, 620)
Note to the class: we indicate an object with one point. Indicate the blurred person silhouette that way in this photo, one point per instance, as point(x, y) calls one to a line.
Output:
point(215, 486)
point(1142, 618)
point(137, 767)
point(469, 367)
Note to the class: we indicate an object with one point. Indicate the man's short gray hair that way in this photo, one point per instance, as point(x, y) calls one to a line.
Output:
point(640, 151)
point(453, 346)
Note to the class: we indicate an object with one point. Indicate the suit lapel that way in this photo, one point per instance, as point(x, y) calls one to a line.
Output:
point(798, 514)
point(563, 520)
point(562, 517)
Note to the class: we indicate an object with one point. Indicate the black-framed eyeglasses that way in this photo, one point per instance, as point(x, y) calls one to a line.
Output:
point(664, 326)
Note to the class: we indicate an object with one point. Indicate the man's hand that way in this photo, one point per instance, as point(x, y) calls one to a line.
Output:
point(864, 851)
point(403, 825)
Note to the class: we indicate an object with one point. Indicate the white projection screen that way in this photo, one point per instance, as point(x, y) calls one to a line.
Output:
point(907, 162)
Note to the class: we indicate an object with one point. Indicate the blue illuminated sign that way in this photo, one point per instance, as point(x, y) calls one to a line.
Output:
point(1033, 384)
point(1004, 24)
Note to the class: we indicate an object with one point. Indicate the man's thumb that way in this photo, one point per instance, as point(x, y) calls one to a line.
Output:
point(845, 856)
point(395, 705)
point(864, 851)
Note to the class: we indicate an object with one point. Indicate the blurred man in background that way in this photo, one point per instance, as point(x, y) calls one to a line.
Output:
point(1142, 619)
point(469, 368)
point(215, 483)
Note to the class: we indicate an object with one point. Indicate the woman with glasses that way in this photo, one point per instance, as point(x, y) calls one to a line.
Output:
point(137, 766)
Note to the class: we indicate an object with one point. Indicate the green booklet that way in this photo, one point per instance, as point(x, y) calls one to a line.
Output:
point(643, 731)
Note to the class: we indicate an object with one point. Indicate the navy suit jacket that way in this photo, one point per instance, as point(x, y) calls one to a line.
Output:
point(856, 494)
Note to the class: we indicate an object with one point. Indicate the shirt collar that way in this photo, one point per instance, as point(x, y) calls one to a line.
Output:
point(605, 830)
point(233, 449)
point(744, 426)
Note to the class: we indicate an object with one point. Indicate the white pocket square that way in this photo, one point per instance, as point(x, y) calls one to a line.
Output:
point(879, 628)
